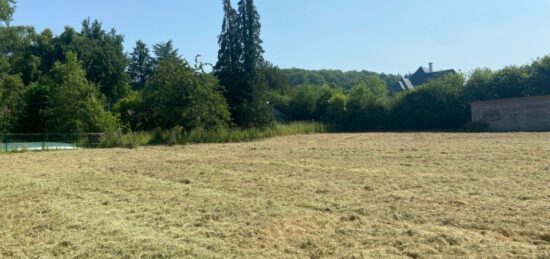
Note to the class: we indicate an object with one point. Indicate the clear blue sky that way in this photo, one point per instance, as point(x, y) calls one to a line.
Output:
point(392, 36)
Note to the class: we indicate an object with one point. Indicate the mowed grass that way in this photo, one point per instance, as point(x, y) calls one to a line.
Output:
point(316, 196)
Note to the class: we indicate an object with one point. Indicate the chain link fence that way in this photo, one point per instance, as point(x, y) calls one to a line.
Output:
point(40, 142)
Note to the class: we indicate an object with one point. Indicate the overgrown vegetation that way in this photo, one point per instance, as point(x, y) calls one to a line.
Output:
point(82, 81)
point(179, 136)
point(375, 195)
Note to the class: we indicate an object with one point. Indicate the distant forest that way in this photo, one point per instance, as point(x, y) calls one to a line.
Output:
point(335, 78)
point(82, 80)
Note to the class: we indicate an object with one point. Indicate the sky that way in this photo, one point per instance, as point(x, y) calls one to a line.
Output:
point(390, 36)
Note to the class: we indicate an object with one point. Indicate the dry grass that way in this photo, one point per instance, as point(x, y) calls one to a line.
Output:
point(317, 196)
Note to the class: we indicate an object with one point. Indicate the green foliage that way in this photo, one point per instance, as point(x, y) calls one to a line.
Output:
point(113, 139)
point(165, 51)
point(509, 82)
point(437, 105)
point(11, 91)
point(44, 90)
point(228, 69)
point(177, 96)
point(539, 78)
point(132, 111)
point(141, 66)
point(101, 53)
point(76, 105)
point(239, 66)
point(179, 136)
point(7, 8)
point(480, 85)
point(303, 103)
point(365, 107)
point(36, 99)
point(337, 108)
point(368, 106)
point(334, 78)
point(16, 48)
point(5, 67)
point(275, 78)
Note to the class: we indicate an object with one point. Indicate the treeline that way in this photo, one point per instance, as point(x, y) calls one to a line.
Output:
point(78, 81)
point(441, 104)
point(83, 81)
point(334, 78)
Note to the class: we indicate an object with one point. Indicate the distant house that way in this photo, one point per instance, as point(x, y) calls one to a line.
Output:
point(421, 76)
point(515, 114)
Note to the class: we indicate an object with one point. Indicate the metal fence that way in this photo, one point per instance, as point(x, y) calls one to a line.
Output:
point(57, 141)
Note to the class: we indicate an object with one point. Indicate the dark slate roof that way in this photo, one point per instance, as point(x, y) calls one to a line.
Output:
point(421, 76)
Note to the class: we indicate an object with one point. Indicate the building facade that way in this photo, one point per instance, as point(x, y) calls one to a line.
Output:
point(515, 114)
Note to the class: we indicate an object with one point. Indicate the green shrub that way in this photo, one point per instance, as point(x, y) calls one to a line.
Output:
point(125, 140)
point(179, 136)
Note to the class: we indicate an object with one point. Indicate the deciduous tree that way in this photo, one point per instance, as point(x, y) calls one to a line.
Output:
point(7, 8)
point(76, 105)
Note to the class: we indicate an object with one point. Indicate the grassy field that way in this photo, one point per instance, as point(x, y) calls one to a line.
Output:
point(315, 196)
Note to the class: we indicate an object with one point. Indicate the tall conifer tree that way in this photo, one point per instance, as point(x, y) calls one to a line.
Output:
point(256, 110)
point(141, 66)
point(228, 68)
point(239, 59)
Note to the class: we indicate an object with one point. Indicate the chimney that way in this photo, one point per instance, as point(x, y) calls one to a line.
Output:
point(431, 67)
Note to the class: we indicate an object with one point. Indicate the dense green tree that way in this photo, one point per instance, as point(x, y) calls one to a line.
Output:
point(539, 78)
point(46, 50)
point(309, 102)
point(141, 66)
point(337, 110)
point(303, 103)
point(5, 67)
point(16, 45)
point(133, 112)
point(102, 56)
point(255, 110)
point(324, 94)
point(368, 106)
point(36, 99)
point(23, 58)
point(165, 51)
point(275, 78)
point(437, 105)
point(11, 91)
point(75, 104)
point(377, 88)
point(7, 8)
point(229, 68)
point(479, 85)
point(177, 95)
point(510, 82)
point(249, 21)
point(335, 78)
point(239, 64)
